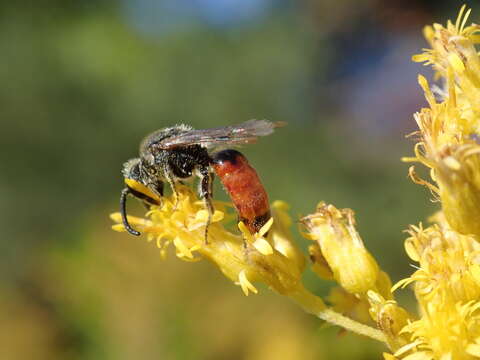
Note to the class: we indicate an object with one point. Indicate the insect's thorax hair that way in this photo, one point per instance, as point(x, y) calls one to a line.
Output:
point(162, 134)
point(184, 160)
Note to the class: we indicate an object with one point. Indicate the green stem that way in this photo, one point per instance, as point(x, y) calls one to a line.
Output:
point(314, 305)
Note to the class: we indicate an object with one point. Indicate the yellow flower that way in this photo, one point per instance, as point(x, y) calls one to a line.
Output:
point(447, 280)
point(447, 290)
point(447, 261)
point(390, 318)
point(272, 259)
point(449, 333)
point(452, 47)
point(339, 250)
point(242, 257)
point(450, 127)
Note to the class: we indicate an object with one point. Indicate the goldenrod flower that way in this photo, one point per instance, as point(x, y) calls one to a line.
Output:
point(446, 262)
point(339, 254)
point(390, 318)
point(446, 282)
point(450, 127)
point(242, 257)
point(340, 250)
point(273, 259)
point(447, 290)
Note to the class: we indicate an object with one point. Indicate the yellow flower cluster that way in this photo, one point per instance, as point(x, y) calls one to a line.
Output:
point(339, 254)
point(269, 256)
point(450, 127)
point(447, 280)
point(243, 258)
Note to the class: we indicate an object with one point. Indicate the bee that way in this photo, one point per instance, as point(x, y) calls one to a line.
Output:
point(176, 153)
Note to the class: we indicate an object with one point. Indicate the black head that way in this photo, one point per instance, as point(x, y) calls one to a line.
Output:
point(137, 183)
point(131, 170)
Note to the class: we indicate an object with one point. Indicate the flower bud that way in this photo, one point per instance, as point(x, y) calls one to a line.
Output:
point(341, 246)
point(390, 318)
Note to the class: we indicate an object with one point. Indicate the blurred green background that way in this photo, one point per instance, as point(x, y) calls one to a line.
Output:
point(84, 81)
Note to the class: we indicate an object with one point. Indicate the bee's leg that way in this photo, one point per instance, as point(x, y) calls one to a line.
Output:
point(206, 192)
point(245, 243)
point(167, 173)
point(123, 211)
point(157, 189)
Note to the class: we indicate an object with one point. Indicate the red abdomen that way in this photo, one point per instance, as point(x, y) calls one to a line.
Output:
point(242, 183)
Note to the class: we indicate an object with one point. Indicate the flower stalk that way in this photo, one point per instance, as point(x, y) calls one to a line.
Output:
point(314, 305)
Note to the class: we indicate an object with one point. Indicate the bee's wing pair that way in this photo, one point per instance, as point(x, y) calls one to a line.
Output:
point(244, 133)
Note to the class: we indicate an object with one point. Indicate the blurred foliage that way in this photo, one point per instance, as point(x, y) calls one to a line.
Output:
point(81, 87)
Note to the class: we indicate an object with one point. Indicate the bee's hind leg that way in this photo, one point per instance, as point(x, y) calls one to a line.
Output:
point(206, 192)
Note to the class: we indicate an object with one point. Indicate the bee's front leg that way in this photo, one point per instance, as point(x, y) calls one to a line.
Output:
point(168, 175)
point(157, 189)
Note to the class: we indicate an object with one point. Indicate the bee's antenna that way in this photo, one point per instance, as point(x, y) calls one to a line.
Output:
point(123, 211)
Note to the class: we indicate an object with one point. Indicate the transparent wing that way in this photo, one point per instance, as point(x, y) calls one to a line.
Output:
point(243, 133)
